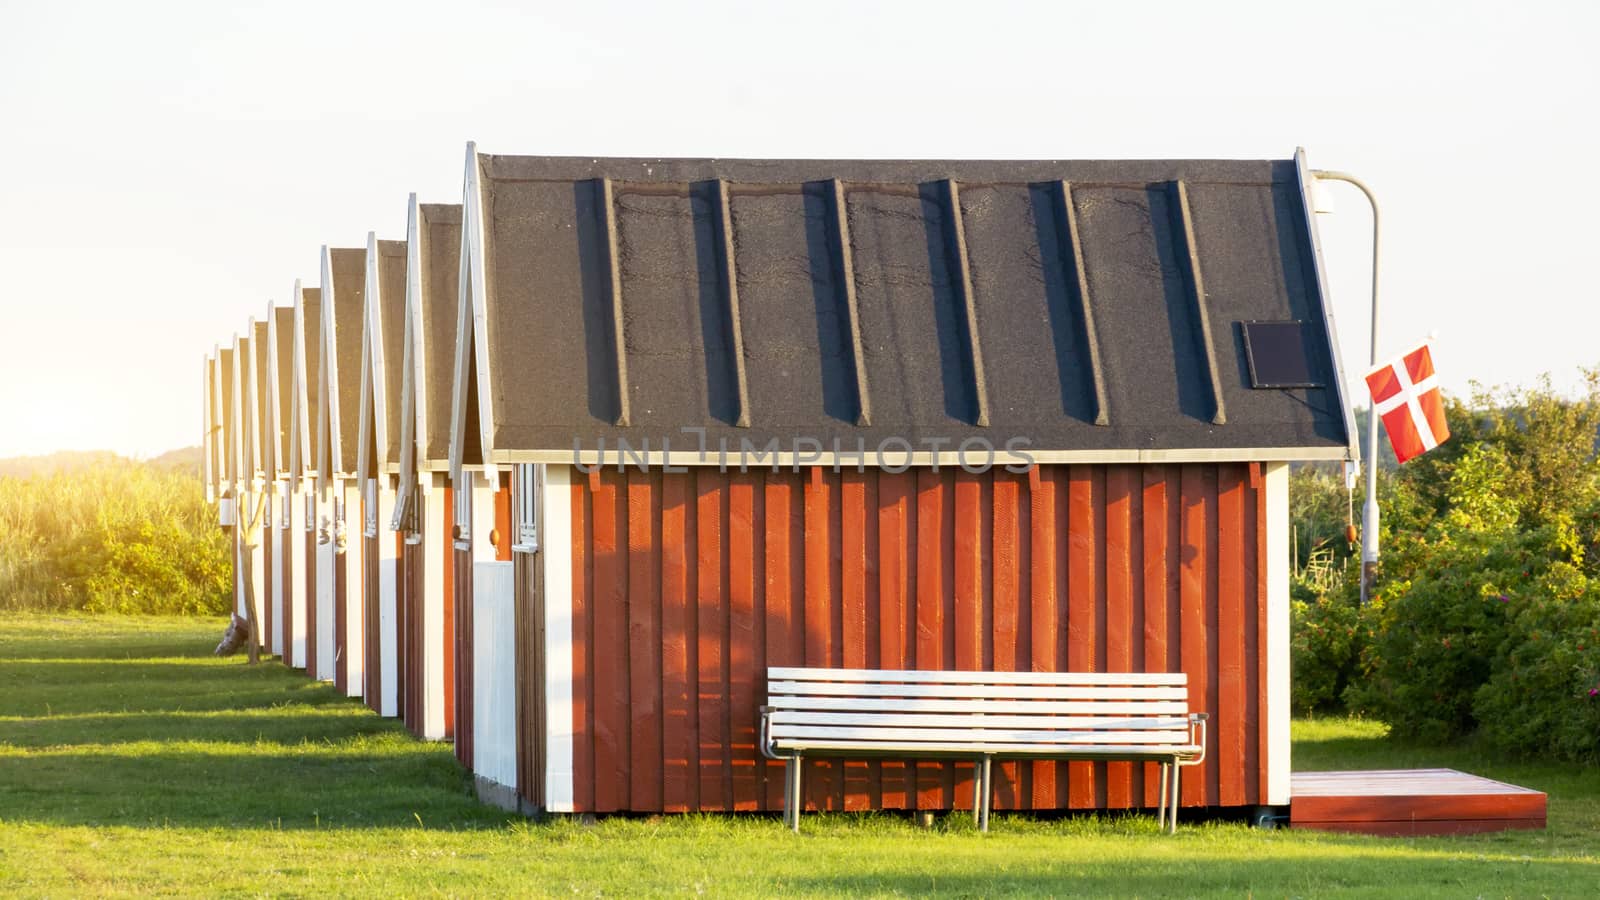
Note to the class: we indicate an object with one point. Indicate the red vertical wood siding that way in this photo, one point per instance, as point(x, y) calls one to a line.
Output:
point(311, 603)
point(285, 574)
point(407, 614)
point(269, 569)
point(372, 645)
point(445, 556)
point(686, 587)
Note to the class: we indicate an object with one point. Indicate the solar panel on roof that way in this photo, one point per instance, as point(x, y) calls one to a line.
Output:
point(1276, 352)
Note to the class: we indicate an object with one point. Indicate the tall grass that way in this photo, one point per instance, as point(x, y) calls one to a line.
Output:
point(116, 537)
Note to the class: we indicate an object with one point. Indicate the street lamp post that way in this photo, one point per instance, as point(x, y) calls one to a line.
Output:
point(1369, 511)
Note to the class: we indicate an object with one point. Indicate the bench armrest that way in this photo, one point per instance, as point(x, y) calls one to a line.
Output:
point(1197, 736)
point(766, 735)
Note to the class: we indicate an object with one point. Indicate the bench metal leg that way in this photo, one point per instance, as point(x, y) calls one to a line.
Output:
point(1161, 797)
point(983, 792)
point(792, 798)
point(1172, 824)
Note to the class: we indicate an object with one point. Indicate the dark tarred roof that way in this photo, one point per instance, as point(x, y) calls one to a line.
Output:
point(310, 401)
point(349, 271)
point(1085, 305)
point(439, 230)
point(392, 288)
point(283, 349)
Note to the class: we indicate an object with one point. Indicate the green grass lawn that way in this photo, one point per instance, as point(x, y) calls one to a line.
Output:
point(131, 761)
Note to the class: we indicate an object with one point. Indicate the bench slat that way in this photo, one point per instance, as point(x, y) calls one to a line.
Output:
point(1083, 751)
point(969, 720)
point(1008, 692)
point(780, 733)
point(953, 705)
point(918, 676)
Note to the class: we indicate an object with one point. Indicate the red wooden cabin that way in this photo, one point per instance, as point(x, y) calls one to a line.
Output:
point(378, 468)
point(1144, 346)
point(340, 648)
point(426, 607)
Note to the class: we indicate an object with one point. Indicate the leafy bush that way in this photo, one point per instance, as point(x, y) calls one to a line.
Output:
point(1486, 615)
point(116, 537)
point(1544, 695)
point(1329, 635)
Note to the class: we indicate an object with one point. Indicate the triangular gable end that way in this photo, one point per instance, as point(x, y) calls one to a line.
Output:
point(280, 361)
point(472, 331)
point(272, 421)
point(238, 421)
point(339, 387)
point(328, 444)
point(260, 446)
point(307, 358)
point(227, 436)
point(410, 411)
point(374, 426)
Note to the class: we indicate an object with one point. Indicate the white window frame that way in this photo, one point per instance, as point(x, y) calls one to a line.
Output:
point(529, 481)
point(283, 518)
point(311, 512)
point(462, 526)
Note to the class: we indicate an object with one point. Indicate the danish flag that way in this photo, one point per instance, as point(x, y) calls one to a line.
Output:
point(1406, 394)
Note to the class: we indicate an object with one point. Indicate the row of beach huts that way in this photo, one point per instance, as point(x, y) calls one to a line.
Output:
point(558, 473)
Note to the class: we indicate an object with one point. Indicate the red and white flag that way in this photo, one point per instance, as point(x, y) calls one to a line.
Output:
point(1406, 392)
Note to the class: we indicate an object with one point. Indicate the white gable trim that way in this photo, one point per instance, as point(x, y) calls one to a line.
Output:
point(300, 457)
point(328, 382)
point(241, 473)
point(274, 424)
point(472, 323)
point(376, 362)
point(413, 408)
point(1320, 269)
point(252, 411)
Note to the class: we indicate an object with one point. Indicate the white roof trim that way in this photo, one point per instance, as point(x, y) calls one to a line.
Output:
point(412, 381)
point(252, 412)
point(274, 425)
point(472, 322)
point(375, 363)
point(1325, 299)
point(300, 454)
point(328, 437)
point(240, 471)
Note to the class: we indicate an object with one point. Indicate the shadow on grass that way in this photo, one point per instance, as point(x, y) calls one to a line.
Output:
point(283, 725)
point(91, 685)
point(390, 781)
point(173, 736)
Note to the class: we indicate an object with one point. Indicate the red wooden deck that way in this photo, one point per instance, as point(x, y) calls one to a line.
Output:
point(1411, 802)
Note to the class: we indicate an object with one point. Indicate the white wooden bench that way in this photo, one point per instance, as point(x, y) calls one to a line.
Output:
point(981, 716)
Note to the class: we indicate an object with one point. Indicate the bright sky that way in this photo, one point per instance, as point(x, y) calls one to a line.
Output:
point(167, 170)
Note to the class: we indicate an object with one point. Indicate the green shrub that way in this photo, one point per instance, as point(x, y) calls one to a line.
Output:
point(1488, 598)
point(1324, 651)
point(117, 537)
point(1544, 695)
point(1440, 628)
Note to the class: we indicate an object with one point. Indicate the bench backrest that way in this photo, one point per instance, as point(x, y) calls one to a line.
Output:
point(910, 708)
